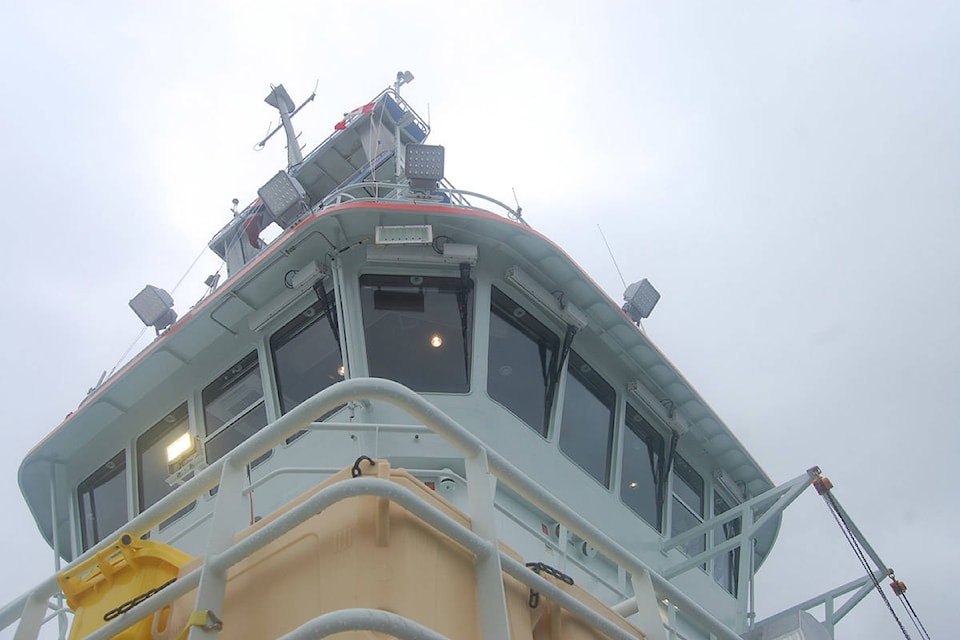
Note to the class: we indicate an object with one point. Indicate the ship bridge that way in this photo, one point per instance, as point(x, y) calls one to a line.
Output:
point(610, 464)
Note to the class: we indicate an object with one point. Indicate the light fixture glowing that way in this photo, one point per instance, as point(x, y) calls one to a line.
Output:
point(633, 485)
point(340, 371)
point(180, 448)
point(436, 341)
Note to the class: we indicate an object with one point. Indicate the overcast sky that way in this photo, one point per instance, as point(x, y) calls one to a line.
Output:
point(785, 173)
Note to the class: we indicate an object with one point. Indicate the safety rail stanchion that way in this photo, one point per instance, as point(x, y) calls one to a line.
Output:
point(493, 598)
point(32, 617)
point(227, 515)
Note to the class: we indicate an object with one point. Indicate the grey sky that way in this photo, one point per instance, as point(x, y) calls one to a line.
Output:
point(784, 172)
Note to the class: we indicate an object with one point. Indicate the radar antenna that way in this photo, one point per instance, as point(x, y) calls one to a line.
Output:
point(281, 100)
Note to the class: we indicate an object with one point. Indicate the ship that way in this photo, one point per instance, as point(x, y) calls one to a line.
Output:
point(404, 411)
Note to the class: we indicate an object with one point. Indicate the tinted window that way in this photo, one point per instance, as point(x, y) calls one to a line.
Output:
point(152, 464)
point(727, 566)
point(687, 504)
point(418, 330)
point(521, 349)
point(306, 357)
point(233, 408)
point(640, 468)
point(103, 501)
point(586, 430)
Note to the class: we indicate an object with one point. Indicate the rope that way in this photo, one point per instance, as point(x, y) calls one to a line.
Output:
point(860, 556)
point(913, 615)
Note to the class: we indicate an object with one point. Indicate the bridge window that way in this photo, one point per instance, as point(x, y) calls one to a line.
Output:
point(418, 330)
point(687, 505)
point(103, 501)
point(152, 464)
point(586, 430)
point(521, 351)
point(306, 356)
point(233, 408)
point(726, 567)
point(641, 472)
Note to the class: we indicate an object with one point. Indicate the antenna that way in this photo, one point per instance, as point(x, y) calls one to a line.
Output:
point(610, 251)
point(281, 100)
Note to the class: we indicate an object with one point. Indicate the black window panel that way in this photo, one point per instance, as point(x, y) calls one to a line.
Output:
point(688, 485)
point(233, 392)
point(103, 501)
point(234, 399)
point(687, 505)
point(520, 352)
point(726, 567)
point(683, 520)
point(306, 357)
point(152, 467)
point(414, 328)
point(641, 458)
point(586, 430)
point(238, 431)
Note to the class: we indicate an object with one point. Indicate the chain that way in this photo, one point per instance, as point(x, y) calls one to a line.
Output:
point(538, 567)
point(130, 604)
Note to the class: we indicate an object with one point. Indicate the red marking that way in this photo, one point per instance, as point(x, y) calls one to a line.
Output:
point(431, 485)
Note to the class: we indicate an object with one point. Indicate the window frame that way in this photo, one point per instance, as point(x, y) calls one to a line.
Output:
point(287, 332)
point(98, 478)
point(660, 479)
point(535, 329)
point(612, 406)
point(675, 476)
point(155, 434)
point(427, 279)
point(225, 386)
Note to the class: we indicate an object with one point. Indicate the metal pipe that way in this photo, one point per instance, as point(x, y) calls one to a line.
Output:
point(363, 620)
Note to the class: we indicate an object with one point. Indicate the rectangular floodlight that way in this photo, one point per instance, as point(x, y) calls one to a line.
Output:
point(640, 298)
point(405, 234)
point(284, 198)
point(424, 162)
point(152, 305)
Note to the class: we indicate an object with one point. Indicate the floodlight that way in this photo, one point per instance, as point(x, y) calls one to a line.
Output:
point(640, 299)
point(423, 166)
point(284, 198)
point(403, 77)
point(180, 449)
point(154, 307)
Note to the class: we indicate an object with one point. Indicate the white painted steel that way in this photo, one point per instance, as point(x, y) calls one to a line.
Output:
point(301, 417)
point(363, 620)
point(481, 487)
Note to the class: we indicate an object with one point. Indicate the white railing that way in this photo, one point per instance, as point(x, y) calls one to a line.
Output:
point(480, 462)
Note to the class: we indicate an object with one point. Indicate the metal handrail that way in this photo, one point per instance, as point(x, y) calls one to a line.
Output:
point(349, 194)
point(427, 414)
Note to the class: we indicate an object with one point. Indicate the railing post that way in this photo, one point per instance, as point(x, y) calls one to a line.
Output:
point(227, 514)
point(32, 617)
point(491, 593)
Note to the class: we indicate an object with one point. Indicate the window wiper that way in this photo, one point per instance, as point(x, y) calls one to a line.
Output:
point(463, 298)
point(331, 313)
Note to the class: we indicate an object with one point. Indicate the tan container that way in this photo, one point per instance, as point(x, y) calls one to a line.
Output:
point(336, 561)
point(553, 623)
